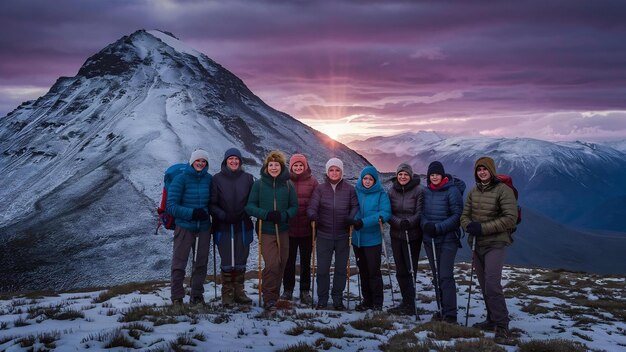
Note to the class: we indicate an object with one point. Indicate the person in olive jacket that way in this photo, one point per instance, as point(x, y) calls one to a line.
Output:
point(333, 206)
point(443, 205)
point(273, 199)
point(232, 228)
point(188, 201)
point(367, 240)
point(407, 200)
point(489, 216)
point(300, 235)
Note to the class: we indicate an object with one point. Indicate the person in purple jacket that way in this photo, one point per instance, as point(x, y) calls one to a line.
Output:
point(333, 206)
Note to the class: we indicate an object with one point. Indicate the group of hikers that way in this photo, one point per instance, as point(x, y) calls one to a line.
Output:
point(325, 221)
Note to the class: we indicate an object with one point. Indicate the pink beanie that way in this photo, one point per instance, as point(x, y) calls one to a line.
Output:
point(298, 157)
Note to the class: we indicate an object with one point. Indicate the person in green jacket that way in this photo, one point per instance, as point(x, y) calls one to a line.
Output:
point(489, 216)
point(273, 199)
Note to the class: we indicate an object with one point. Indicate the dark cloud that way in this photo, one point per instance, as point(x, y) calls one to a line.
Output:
point(383, 59)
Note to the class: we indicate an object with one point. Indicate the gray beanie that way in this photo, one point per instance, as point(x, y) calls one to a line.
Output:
point(334, 162)
point(406, 168)
point(199, 154)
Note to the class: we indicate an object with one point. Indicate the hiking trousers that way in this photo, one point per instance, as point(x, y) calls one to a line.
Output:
point(446, 252)
point(403, 267)
point(241, 252)
point(305, 244)
point(184, 244)
point(488, 262)
point(275, 262)
point(324, 250)
point(368, 261)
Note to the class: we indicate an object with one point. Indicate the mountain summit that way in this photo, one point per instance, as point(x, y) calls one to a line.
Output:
point(82, 165)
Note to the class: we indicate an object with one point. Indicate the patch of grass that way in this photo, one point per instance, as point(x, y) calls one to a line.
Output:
point(424, 298)
point(4, 325)
point(404, 341)
point(322, 344)
point(138, 313)
point(141, 287)
point(333, 332)
point(20, 322)
point(296, 330)
point(480, 345)
point(533, 307)
point(582, 336)
point(182, 339)
point(376, 324)
point(444, 331)
point(119, 339)
point(199, 336)
point(556, 345)
point(139, 326)
point(69, 314)
point(299, 347)
point(617, 307)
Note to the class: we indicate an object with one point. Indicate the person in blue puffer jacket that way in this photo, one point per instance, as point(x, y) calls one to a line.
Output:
point(374, 204)
point(188, 201)
point(443, 205)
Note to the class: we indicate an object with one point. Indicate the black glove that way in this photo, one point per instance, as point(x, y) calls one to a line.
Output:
point(232, 218)
point(273, 216)
point(358, 224)
point(199, 214)
point(475, 228)
point(430, 229)
point(405, 225)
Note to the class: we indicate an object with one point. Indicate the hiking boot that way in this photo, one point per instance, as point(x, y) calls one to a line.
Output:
point(239, 295)
point(503, 335)
point(305, 297)
point(178, 302)
point(450, 320)
point(486, 325)
point(321, 306)
point(197, 301)
point(287, 295)
point(339, 306)
point(436, 317)
point(228, 290)
point(363, 307)
point(402, 309)
point(270, 306)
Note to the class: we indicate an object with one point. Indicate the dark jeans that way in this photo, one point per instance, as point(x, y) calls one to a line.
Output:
point(324, 250)
point(446, 252)
point(403, 265)
point(240, 252)
point(488, 263)
point(184, 243)
point(305, 244)
point(368, 261)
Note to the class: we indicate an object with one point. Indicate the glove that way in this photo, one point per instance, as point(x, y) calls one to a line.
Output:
point(232, 218)
point(199, 214)
point(430, 229)
point(273, 216)
point(475, 228)
point(405, 225)
point(358, 224)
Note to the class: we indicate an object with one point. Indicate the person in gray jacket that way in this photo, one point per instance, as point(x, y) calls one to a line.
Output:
point(332, 206)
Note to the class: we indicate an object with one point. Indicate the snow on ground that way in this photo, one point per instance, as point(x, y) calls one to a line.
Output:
point(543, 305)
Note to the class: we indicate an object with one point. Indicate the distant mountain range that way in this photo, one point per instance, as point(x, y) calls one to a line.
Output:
point(82, 166)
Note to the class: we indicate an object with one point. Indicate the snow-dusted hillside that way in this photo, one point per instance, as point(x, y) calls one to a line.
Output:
point(82, 165)
point(550, 311)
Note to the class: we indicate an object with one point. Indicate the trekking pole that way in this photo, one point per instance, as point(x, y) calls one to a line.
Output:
point(260, 245)
point(408, 247)
point(471, 281)
point(277, 235)
point(232, 246)
point(436, 279)
point(382, 237)
point(348, 266)
point(214, 267)
point(313, 266)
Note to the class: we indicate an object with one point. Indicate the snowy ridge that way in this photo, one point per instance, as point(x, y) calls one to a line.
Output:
point(83, 164)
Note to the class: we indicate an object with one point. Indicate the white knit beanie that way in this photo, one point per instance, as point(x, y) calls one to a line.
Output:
point(334, 162)
point(199, 154)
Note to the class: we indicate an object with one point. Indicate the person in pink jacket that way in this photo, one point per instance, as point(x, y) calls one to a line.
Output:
point(300, 236)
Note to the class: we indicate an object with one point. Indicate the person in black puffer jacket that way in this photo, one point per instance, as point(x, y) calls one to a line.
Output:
point(407, 200)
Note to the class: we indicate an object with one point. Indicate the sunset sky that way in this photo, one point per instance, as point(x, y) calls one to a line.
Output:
point(552, 70)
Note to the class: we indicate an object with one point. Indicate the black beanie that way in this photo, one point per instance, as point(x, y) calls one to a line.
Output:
point(435, 168)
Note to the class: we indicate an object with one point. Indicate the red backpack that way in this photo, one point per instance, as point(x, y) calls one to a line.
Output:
point(166, 219)
point(508, 180)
